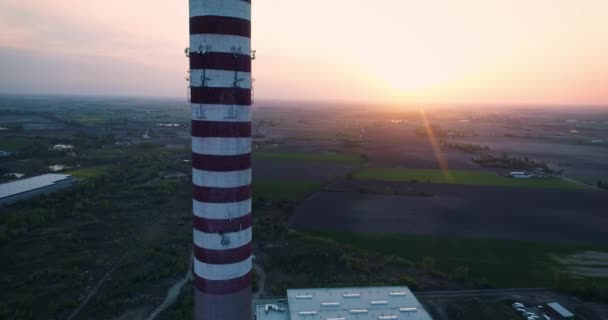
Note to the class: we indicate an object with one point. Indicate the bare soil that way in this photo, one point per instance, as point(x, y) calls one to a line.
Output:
point(471, 211)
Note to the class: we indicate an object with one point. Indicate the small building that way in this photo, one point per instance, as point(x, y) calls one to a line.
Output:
point(378, 303)
point(521, 175)
point(557, 311)
point(62, 147)
point(13, 191)
point(14, 175)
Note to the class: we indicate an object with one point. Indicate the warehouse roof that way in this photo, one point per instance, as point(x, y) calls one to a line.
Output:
point(560, 310)
point(24, 185)
point(378, 303)
point(381, 303)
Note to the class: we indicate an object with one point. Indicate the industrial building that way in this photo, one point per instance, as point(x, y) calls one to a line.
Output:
point(377, 303)
point(521, 175)
point(13, 191)
point(557, 311)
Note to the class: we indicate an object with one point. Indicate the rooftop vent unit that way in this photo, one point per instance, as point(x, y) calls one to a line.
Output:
point(387, 317)
point(375, 303)
point(304, 296)
point(351, 295)
point(336, 318)
point(358, 311)
point(307, 313)
point(330, 304)
point(408, 309)
point(397, 294)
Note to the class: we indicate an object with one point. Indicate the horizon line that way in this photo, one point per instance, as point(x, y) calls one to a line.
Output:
point(330, 100)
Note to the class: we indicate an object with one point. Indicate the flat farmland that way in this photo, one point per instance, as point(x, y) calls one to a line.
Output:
point(275, 189)
point(534, 214)
point(14, 144)
point(318, 167)
point(398, 145)
point(479, 178)
point(323, 158)
point(558, 155)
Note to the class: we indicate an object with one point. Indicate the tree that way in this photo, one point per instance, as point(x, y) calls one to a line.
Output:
point(428, 264)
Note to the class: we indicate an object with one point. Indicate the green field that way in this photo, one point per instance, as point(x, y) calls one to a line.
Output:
point(91, 119)
point(479, 178)
point(327, 158)
point(275, 189)
point(91, 172)
point(14, 144)
point(498, 263)
point(589, 180)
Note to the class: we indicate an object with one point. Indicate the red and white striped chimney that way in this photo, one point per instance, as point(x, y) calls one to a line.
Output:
point(220, 93)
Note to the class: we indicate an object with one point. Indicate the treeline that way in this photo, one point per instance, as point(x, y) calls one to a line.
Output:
point(468, 147)
point(125, 180)
point(507, 162)
point(41, 147)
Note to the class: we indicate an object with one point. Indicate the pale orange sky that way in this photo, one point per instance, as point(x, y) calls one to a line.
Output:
point(466, 51)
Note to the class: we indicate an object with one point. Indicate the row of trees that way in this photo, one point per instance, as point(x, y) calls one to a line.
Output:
point(507, 162)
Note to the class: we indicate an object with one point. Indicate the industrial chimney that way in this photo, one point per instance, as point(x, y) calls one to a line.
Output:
point(220, 94)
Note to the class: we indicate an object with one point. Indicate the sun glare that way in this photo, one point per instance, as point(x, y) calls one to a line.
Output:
point(433, 141)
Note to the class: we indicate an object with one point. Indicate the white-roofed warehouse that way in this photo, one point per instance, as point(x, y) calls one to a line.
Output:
point(377, 303)
point(26, 188)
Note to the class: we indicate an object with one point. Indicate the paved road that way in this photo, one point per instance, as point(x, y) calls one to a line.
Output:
point(261, 281)
point(478, 292)
point(578, 182)
point(95, 289)
point(173, 293)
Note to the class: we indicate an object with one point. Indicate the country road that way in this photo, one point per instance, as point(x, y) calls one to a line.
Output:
point(173, 293)
point(95, 289)
point(579, 183)
point(261, 281)
point(478, 292)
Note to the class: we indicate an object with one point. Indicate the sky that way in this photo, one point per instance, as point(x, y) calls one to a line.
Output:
point(397, 51)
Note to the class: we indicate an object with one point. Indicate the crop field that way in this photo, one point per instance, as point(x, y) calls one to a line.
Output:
point(278, 190)
point(532, 214)
point(478, 178)
point(497, 263)
point(411, 151)
point(298, 170)
point(326, 158)
point(14, 144)
point(90, 120)
point(91, 172)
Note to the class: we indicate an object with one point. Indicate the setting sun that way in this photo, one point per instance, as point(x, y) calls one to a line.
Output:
point(470, 51)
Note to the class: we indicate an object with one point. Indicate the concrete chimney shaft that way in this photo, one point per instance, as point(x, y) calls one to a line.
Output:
point(220, 95)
